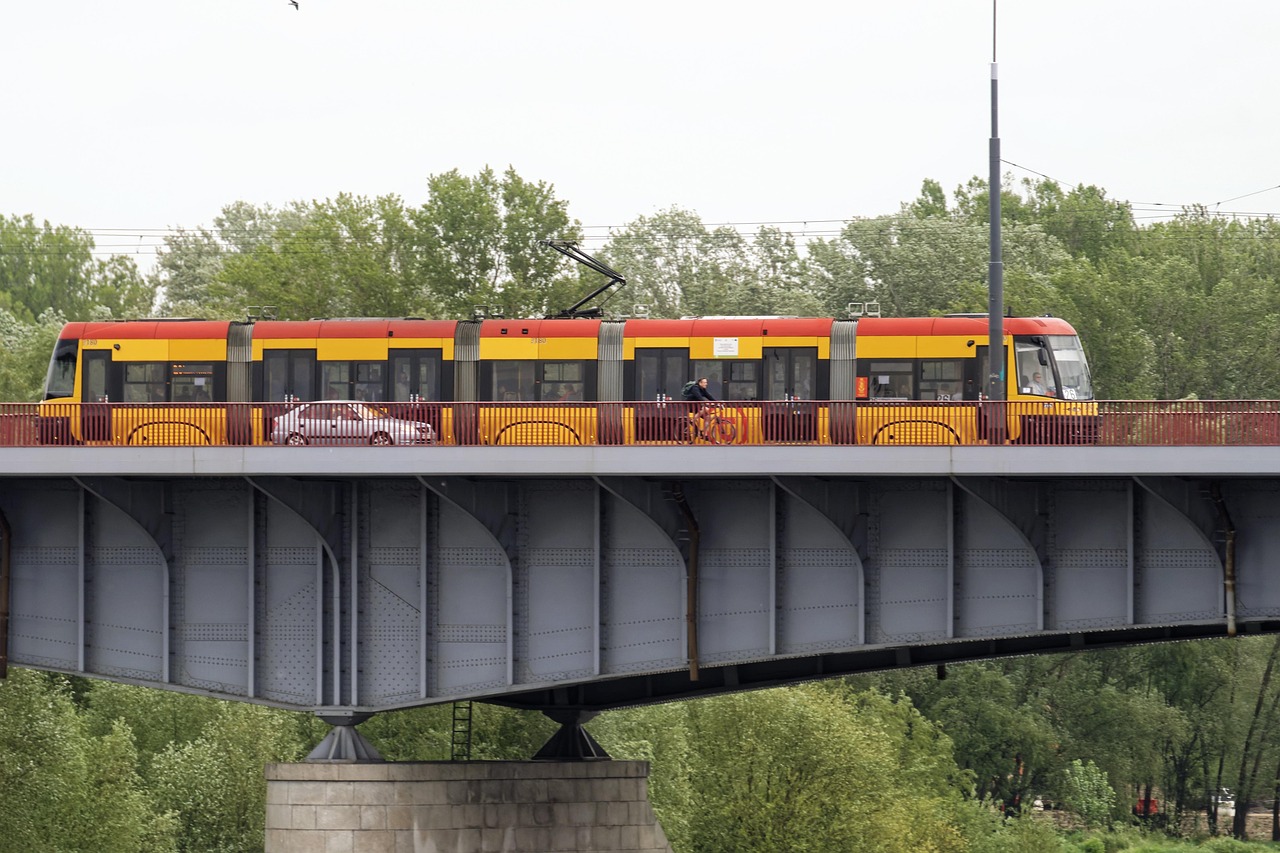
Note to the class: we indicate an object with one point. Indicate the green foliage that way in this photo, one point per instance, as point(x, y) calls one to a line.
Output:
point(63, 789)
point(346, 257)
point(677, 267)
point(659, 735)
point(806, 769)
point(1086, 792)
point(47, 268)
point(1025, 834)
point(24, 354)
point(477, 239)
point(159, 719)
point(214, 784)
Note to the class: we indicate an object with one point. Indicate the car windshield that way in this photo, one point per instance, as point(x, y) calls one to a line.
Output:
point(1073, 370)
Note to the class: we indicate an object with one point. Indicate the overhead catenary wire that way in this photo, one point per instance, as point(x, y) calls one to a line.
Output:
point(151, 241)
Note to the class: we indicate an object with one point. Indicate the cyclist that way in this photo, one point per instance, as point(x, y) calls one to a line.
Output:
point(696, 392)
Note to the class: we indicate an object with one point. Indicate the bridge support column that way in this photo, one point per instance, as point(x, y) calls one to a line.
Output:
point(572, 742)
point(473, 806)
point(344, 742)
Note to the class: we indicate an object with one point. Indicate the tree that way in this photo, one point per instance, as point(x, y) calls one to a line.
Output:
point(927, 266)
point(477, 243)
point(63, 789)
point(214, 784)
point(677, 267)
point(48, 267)
point(811, 769)
point(1086, 792)
point(24, 354)
point(346, 257)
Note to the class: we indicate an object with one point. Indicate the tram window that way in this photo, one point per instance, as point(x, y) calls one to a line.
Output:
point(1034, 377)
point(1073, 369)
point(941, 379)
point(192, 383)
point(61, 379)
point(562, 381)
point(804, 368)
point(513, 381)
point(144, 383)
point(353, 380)
point(730, 380)
point(335, 379)
point(370, 384)
point(892, 380)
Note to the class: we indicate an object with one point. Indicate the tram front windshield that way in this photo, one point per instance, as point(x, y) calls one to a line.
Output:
point(1073, 371)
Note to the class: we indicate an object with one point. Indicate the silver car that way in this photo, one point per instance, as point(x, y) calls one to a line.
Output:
point(347, 422)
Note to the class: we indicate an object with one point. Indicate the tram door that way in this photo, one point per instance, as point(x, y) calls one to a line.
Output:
point(415, 375)
point(95, 419)
point(991, 421)
point(660, 375)
point(416, 378)
point(290, 375)
point(790, 374)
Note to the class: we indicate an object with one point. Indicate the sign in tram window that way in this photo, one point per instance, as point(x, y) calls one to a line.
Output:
point(892, 380)
point(144, 383)
point(192, 383)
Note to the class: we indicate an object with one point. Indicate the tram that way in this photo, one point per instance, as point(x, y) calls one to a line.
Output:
point(867, 380)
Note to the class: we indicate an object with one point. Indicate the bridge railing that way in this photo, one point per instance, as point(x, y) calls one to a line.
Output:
point(1047, 423)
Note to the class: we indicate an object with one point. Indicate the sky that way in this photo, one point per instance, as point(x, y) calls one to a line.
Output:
point(133, 118)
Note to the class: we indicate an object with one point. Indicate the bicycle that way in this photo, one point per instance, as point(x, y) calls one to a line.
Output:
point(710, 426)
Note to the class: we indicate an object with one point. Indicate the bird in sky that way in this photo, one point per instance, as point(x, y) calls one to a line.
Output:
point(294, 4)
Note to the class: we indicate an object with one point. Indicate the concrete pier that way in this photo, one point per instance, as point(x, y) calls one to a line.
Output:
point(461, 807)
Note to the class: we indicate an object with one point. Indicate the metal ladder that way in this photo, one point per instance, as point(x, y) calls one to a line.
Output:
point(460, 741)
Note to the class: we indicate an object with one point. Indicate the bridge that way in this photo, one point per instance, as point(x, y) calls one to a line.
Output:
point(349, 580)
point(346, 581)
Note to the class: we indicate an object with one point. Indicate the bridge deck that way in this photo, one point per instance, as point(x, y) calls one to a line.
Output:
point(642, 461)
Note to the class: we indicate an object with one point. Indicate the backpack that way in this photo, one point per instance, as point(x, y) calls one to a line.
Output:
point(687, 392)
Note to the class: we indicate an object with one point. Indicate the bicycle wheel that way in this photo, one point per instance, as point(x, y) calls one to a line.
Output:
point(723, 431)
point(691, 432)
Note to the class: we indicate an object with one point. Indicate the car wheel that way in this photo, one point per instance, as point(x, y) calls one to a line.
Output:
point(380, 439)
point(296, 439)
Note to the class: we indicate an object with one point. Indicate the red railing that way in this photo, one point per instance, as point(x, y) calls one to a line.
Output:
point(1056, 423)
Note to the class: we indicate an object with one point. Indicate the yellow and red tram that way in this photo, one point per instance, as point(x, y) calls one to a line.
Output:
point(872, 380)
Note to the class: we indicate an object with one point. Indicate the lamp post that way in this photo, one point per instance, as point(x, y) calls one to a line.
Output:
point(995, 269)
